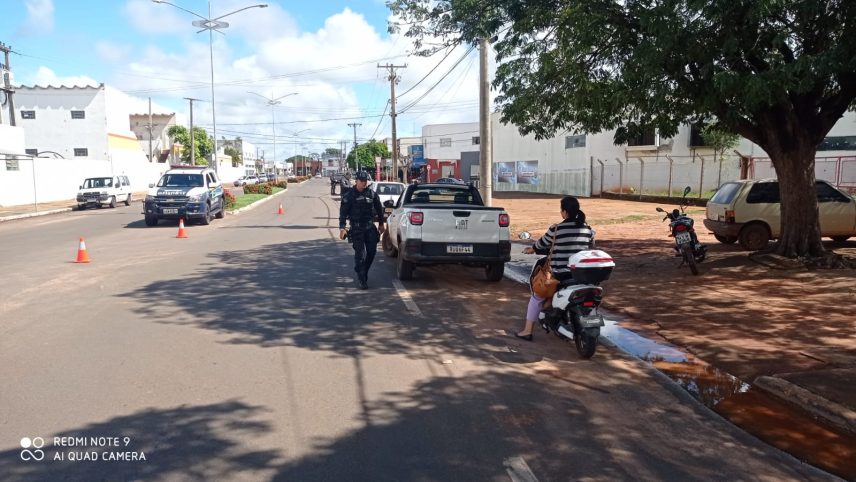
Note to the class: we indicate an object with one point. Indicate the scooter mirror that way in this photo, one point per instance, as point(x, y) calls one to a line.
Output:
point(524, 235)
point(660, 210)
point(687, 190)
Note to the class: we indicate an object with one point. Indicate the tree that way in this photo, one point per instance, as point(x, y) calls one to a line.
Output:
point(778, 72)
point(232, 148)
point(720, 140)
point(333, 152)
point(204, 144)
point(366, 154)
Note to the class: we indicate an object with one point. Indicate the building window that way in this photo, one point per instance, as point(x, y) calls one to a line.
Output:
point(575, 141)
point(476, 140)
point(28, 114)
point(647, 138)
point(78, 114)
point(11, 164)
point(32, 152)
point(81, 152)
point(445, 142)
point(841, 143)
point(696, 140)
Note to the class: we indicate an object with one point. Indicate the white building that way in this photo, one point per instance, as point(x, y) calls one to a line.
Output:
point(70, 133)
point(585, 164)
point(447, 141)
point(78, 122)
point(155, 139)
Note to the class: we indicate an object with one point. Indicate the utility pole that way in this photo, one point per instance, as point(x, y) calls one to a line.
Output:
point(192, 141)
point(485, 139)
point(7, 83)
point(356, 159)
point(151, 155)
point(393, 79)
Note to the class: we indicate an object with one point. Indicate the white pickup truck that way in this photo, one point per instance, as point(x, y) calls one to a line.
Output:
point(446, 224)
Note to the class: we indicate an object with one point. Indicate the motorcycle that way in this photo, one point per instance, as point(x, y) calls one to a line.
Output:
point(572, 312)
point(686, 242)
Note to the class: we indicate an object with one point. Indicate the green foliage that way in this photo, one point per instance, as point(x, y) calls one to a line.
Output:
point(778, 72)
point(204, 144)
point(366, 154)
point(263, 188)
point(233, 148)
point(333, 152)
point(719, 139)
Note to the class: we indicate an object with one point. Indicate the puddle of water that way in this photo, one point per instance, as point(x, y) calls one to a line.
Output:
point(773, 421)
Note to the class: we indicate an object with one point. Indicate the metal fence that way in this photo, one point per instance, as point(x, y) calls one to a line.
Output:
point(668, 175)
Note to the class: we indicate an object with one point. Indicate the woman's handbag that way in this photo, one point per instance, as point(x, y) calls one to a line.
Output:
point(544, 284)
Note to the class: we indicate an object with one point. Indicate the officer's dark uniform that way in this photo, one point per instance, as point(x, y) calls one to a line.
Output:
point(361, 208)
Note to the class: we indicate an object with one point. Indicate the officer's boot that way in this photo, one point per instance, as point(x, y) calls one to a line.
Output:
point(364, 280)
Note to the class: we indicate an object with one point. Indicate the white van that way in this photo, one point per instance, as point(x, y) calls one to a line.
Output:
point(98, 191)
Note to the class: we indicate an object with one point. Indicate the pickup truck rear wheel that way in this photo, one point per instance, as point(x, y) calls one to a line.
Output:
point(386, 243)
point(403, 268)
point(725, 239)
point(494, 271)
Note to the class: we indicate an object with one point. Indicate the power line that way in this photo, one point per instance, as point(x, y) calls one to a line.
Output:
point(405, 109)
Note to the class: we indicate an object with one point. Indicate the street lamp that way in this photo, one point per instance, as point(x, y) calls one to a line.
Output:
point(212, 24)
point(272, 103)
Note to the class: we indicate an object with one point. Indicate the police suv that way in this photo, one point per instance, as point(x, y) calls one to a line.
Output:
point(188, 192)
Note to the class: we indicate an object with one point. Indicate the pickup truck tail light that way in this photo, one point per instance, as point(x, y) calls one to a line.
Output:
point(416, 218)
point(504, 220)
point(729, 216)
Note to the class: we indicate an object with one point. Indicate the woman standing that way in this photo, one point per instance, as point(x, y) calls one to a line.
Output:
point(570, 236)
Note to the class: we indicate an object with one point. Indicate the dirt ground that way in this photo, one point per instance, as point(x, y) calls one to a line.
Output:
point(744, 317)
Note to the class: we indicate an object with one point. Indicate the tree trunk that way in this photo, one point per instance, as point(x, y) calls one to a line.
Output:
point(800, 231)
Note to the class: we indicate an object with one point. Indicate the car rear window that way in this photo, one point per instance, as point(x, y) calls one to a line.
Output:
point(444, 195)
point(390, 189)
point(725, 194)
point(764, 193)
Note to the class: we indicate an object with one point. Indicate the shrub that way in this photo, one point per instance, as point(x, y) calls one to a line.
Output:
point(282, 184)
point(229, 199)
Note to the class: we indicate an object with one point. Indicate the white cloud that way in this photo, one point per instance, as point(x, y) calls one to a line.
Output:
point(47, 77)
point(40, 17)
point(149, 17)
point(111, 52)
point(334, 69)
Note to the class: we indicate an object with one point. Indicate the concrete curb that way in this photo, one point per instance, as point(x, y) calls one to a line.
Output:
point(34, 214)
point(827, 410)
point(257, 203)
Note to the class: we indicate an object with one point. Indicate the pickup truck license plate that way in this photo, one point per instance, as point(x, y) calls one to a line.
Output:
point(683, 238)
point(459, 248)
point(170, 211)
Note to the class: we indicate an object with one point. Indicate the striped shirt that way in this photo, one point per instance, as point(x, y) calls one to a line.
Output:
point(571, 237)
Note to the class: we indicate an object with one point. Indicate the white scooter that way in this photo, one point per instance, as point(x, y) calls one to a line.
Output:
point(572, 313)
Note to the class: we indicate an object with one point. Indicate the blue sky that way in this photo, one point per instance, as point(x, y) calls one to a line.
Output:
point(326, 51)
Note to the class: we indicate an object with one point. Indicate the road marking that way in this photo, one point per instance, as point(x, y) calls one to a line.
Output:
point(406, 298)
point(518, 470)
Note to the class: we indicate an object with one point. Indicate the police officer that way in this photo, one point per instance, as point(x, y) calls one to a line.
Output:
point(345, 184)
point(360, 205)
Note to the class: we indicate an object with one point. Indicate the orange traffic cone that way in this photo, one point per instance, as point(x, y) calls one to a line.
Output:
point(280, 211)
point(181, 233)
point(82, 255)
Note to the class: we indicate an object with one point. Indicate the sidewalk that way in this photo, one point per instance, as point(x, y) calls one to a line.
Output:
point(738, 316)
point(828, 393)
point(9, 213)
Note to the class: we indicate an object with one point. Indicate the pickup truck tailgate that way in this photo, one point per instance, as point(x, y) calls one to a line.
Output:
point(465, 224)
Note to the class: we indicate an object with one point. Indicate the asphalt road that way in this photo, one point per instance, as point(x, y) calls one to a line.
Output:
point(245, 352)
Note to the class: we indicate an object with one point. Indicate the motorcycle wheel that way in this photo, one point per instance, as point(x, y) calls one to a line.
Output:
point(586, 345)
point(689, 258)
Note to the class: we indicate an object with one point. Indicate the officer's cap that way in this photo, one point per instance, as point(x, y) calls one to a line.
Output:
point(362, 176)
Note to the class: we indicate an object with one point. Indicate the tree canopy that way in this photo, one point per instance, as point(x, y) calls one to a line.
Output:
point(204, 144)
point(366, 154)
point(778, 72)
